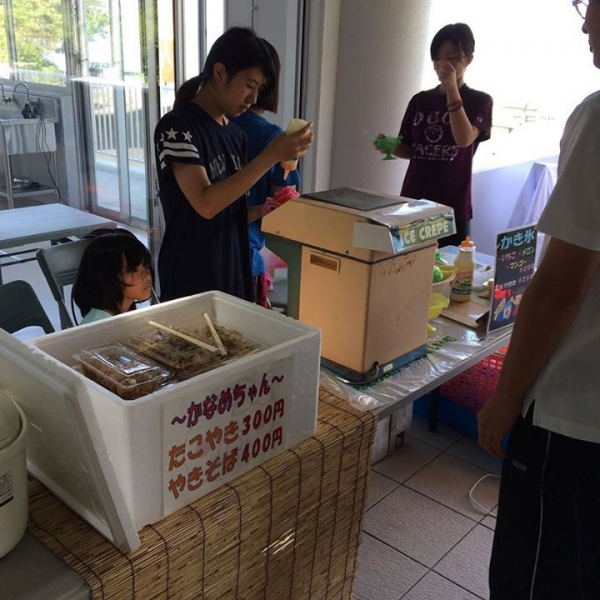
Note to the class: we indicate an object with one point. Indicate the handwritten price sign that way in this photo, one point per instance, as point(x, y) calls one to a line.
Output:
point(214, 435)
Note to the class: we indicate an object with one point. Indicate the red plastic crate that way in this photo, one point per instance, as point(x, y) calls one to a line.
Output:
point(475, 386)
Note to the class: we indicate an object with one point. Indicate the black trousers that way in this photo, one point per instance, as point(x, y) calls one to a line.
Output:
point(547, 539)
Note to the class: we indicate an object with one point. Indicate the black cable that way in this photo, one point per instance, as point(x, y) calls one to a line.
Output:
point(41, 141)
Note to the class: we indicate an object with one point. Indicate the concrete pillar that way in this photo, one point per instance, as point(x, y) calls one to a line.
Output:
point(383, 46)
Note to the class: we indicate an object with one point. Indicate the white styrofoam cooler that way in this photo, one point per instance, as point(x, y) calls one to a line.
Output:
point(125, 464)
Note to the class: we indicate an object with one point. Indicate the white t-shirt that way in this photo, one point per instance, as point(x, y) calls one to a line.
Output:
point(567, 391)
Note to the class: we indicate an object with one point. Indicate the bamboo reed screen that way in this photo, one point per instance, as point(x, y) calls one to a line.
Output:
point(288, 529)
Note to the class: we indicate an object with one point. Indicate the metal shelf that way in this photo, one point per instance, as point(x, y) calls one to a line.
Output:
point(11, 193)
point(38, 191)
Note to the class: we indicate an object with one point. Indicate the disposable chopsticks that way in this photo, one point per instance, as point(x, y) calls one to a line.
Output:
point(183, 336)
point(215, 335)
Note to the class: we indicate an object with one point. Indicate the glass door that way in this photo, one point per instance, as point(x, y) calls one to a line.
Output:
point(182, 29)
point(115, 104)
point(130, 49)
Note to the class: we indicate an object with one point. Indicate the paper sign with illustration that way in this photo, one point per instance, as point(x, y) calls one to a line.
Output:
point(515, 263)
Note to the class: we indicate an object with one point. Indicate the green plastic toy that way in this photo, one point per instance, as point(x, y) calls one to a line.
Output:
point(388, 144)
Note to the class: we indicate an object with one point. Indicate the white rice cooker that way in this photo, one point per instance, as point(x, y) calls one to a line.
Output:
point(13, 474)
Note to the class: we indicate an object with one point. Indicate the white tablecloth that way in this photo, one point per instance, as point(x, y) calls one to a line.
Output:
point(535, 193)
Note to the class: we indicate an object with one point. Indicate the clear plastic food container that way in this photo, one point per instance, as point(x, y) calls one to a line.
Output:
point(187, 359)
point(123, 371)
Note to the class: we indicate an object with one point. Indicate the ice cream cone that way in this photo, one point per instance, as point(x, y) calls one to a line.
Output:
point(293, 126)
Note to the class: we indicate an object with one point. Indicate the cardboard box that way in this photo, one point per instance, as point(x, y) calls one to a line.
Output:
point(124, 464)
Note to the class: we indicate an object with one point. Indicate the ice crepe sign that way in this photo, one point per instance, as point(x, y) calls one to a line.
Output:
point(404, 226)
point(422, 231)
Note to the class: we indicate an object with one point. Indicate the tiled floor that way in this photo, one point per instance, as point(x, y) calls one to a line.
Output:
point(423, 539)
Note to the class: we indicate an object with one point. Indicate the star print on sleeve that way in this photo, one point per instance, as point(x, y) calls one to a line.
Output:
point(171, 150)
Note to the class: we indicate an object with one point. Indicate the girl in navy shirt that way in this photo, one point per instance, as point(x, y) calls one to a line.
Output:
point(202, 172)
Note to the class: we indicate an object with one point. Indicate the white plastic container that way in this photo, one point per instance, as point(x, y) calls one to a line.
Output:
point(445, 285)
point(13, 474)
point(120, 464)
point(462, 286)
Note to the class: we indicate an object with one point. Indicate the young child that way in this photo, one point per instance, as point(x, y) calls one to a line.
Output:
point(202, 172)
point(442, 129)
point(260, 132)
point(115, 272)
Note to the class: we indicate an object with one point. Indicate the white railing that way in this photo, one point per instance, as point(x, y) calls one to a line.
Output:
point(43, 77)
point(111, 102)
point(114, 102)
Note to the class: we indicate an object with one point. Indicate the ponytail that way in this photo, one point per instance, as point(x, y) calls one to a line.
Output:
point(187, 91)
point(237, 49)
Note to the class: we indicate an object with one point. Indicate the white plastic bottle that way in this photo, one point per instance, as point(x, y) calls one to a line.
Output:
point(293, 126)
point(465, 265)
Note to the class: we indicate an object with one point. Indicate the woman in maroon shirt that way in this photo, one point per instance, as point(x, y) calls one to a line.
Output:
point(442, 128)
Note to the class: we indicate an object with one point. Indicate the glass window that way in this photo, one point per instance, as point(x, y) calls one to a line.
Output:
point(96, 51)
point(191, 38)
point(4, 55)
point(114, 62)
point(215, 21)
point(166, 56)
point(114, 92)
point(39, 34)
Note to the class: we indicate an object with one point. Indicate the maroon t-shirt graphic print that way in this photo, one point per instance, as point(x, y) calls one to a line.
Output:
point(439, 170)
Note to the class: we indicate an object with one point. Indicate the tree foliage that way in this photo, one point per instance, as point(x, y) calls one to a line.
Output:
point(39, 28)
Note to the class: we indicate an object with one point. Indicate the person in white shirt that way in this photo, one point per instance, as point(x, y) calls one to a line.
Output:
point(547, 535)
